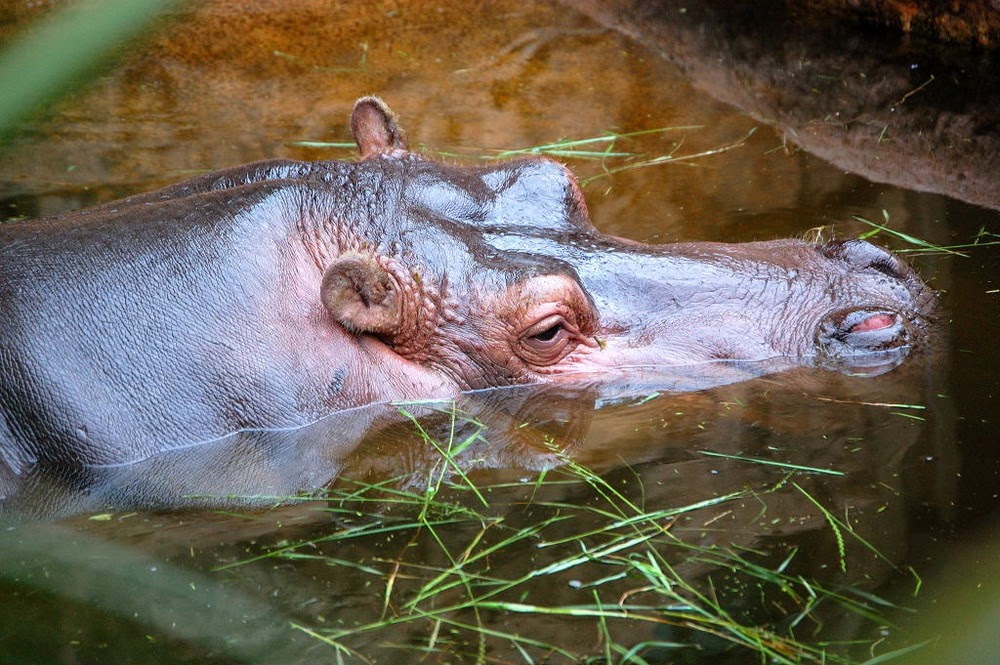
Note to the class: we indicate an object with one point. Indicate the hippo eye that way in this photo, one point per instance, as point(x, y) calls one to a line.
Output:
point(547, 341)
point(549, 333)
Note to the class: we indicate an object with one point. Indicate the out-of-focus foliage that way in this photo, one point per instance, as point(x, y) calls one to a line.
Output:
point(50, 58)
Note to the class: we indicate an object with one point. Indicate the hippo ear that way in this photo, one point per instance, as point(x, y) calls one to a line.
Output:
point(361, 294)
point(375, 127)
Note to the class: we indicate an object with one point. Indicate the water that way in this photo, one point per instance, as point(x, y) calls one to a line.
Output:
point(219, 87)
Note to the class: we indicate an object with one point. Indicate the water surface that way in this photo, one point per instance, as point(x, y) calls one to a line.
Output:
point(913, 451)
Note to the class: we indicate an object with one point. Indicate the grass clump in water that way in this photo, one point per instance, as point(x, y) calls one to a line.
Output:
point(568, 567)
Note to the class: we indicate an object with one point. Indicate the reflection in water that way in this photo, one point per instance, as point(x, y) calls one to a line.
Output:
point(526, 428)
point(226, 85)
point(772, 461)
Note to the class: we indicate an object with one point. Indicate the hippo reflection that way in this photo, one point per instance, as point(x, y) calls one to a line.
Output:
point(269, 295)
point(496, 435)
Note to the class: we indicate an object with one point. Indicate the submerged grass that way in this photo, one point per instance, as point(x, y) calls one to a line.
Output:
point(766, 462)
point(544, 579)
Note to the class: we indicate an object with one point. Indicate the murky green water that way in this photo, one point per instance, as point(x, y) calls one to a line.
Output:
point(914, 452)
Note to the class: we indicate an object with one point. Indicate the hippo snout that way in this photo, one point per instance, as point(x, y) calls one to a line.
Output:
point(874, 336)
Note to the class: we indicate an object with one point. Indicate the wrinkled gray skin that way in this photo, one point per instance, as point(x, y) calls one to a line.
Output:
point(269, 295)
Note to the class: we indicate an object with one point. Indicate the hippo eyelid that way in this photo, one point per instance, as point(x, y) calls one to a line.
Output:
point(549, 333)
point(887, 265)
point(548, 328)
point(548, 341)
point(862, 255)
point(445, 201)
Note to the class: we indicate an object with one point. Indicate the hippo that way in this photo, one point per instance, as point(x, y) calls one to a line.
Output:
point(269, 295)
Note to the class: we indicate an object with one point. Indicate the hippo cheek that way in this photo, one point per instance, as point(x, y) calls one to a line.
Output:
point(863, 340)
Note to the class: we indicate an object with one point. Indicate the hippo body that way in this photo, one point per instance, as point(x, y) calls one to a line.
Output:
point(268, 295)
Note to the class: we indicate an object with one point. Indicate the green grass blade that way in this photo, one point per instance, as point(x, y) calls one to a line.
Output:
point(784, 465)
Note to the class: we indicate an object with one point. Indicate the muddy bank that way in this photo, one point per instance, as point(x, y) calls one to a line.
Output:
point(893, 109)
point(963, 21)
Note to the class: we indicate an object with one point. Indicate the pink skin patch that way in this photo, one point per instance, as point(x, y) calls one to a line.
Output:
point(874, 322)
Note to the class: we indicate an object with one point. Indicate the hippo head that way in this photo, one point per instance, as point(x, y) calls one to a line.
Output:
point(495, 276)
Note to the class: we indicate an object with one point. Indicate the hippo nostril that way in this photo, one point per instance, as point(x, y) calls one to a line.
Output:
point(879, 321)
point(863, 337)
point(862, 330)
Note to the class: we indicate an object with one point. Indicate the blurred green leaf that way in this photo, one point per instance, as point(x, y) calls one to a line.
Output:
point(50, 58)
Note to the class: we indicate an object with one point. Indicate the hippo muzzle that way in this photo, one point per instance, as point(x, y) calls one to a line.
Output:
point(864, 338)
point(872, 338)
